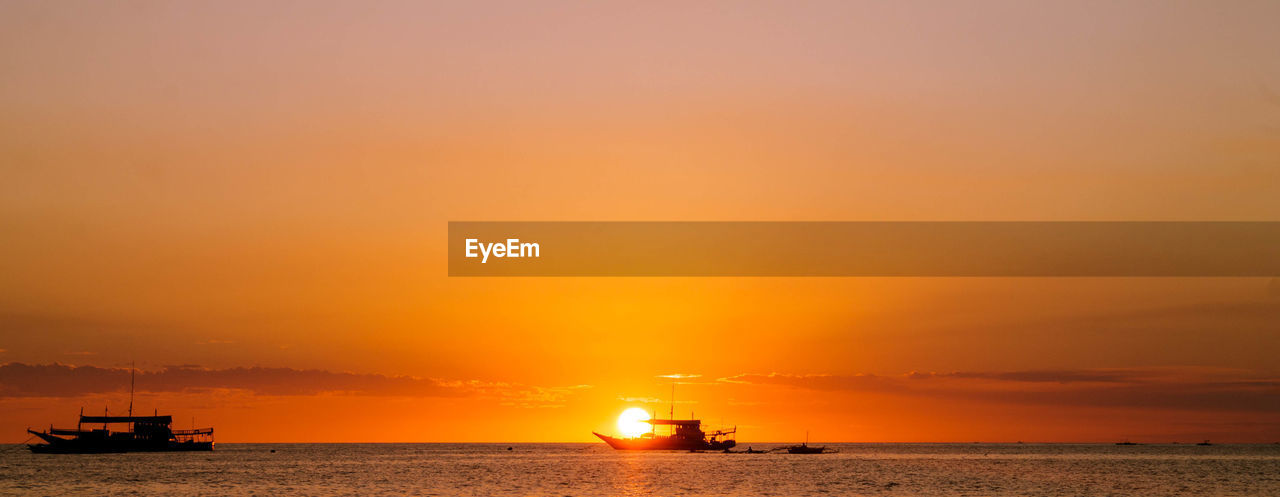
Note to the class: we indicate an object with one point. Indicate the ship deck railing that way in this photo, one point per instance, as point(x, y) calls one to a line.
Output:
point(197, 435)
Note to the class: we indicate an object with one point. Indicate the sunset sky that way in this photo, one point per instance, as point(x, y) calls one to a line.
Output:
point(250, 201)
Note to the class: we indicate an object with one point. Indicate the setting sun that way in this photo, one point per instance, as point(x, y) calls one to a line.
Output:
point(631, 423)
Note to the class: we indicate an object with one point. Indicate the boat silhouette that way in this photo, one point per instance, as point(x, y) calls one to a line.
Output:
point(143, 434)
point(804, 448)
point(683, 434)
point(686, 434)
point(147, 434)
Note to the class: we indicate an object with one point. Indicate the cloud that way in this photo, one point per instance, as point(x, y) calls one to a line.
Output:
point(654, 400)
point(1050, 376)
point(1159, 388)
point(59, 380)
point(513, 395)
point(641, 400)
point(679, 376)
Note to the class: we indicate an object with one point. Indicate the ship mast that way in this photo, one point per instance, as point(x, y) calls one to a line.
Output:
point(673, 400)
point(132, 370)
point(131, 374)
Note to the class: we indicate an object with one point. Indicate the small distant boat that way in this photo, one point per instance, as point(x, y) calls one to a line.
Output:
point(1126, 442)
point(748, 451)
point(1206, 442)
point(804, 448)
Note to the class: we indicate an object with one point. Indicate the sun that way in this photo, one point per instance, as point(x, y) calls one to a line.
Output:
point(631, 422)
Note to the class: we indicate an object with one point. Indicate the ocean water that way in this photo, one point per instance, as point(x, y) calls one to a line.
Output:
point(594, 469)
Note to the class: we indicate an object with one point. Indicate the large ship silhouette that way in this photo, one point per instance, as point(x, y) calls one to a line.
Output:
point(142, 434)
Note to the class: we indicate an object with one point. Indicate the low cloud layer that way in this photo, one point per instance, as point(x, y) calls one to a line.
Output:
point(58, 380)
point(1189, 389)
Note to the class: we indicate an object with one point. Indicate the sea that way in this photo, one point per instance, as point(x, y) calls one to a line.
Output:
point(593, 469)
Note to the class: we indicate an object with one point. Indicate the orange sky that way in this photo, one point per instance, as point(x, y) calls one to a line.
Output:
point(227, 185)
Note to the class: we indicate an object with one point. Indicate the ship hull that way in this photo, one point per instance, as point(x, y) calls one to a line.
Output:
point(664, 443)
point(97, 447)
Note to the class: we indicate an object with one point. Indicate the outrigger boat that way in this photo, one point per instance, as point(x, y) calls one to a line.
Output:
point(686, 434)
point(804, 448)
